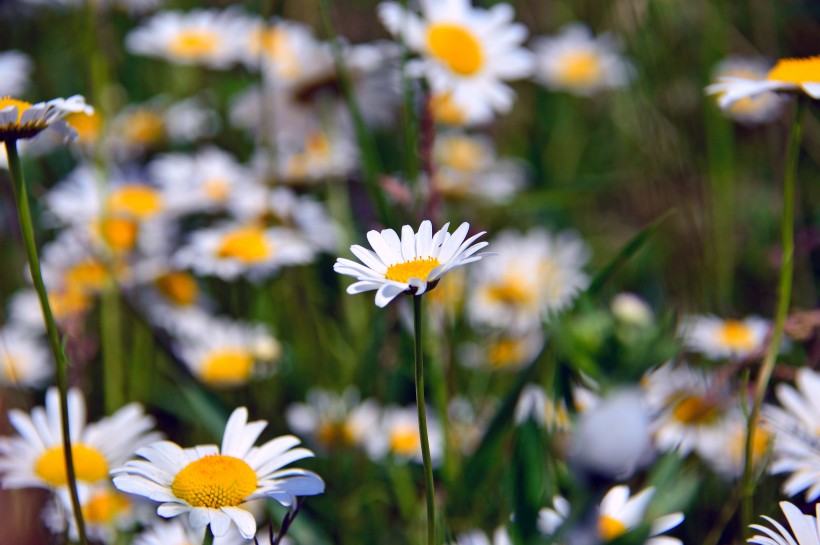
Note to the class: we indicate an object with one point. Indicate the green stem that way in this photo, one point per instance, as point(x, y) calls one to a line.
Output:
point(27, 231)
point(209, 536)
point(425, 441)
point(783, 299)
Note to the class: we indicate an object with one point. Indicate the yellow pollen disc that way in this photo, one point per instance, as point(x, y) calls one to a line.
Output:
point(247, 245)
point(69, 302)
point(194, 44)
point(797, 71)
point(456, 47)
point(762, 442)
point(227, 367)
point(22, 105)
point(506, 353)
point(334, 434)
point(144, 127)
point(445, 110)
point(178, 287)
point(119, 233)
point(104, 507)
point(610, 528)
point(217, 189)
point(695, 410)
point(418, 268)
point(215, 481)
point(462, 153)
point(317, 144)
point(580, 69)
point(511, 291)
point(405, 440)
point(137, 201)
point(89, 465)
point(736, 335)
point(87, 125)
point(85, 277)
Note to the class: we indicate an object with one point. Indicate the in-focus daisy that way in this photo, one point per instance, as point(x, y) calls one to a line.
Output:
point(792, 76)
point(24, 358)
point(332, 420)
point(534, 274)
point(15, 68)
point(466, 52)
point(208, 37)
point(397, 435)
point(412, 263)
point(35, 458)
point(761, 108)
point(804, 528)
point(795, 427)
point(577, 62)
point(214, 485)
point(21, 120)
point(717, 338)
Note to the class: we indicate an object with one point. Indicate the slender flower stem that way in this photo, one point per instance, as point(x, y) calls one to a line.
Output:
point(425, 441)
point(27, 231)
point(208, 539)
point(783, 299)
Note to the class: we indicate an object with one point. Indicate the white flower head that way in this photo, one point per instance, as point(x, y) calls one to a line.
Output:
point(212, 484)
point(792, 76)
point(20, 120)
point(717, 338)
point(412, 263)
point(15, 68)
point(334, 420)
point(760, 108)
point(804, 529)
point(397, 435)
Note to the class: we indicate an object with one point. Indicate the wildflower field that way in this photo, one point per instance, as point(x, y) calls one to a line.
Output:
point(441, 272)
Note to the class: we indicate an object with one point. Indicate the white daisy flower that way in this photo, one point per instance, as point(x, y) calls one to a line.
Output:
point(534, 403)
point(727, 454)
point(230, 250)
point(477, 537)
point(35, 457)
point(15, 68)
point(717, 338)
point(534, 274)
point(169, 532)
point(619, 513)
point(20, 120)
point(213, 484)
point(224, 353)
point(26, 314)
point(397, 435)
point(577, 62)
point(467, 167)
point(24, 358)
point(505, 350)
point(788, 76)
point(466, 52)
point(795, 425)
point(333, 420)
point(804, 528)
point(106, 512)
point(207, 37)
point(279, 48)
point(761, 108)
point(412, 263)
point(550, 519)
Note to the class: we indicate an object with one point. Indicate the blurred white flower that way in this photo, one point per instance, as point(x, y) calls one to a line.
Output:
point(761, 108)
point(25, 360)
point(15, 69)
point(717, 338)
point(397, 435)
point(790, 76)
point(333, 420)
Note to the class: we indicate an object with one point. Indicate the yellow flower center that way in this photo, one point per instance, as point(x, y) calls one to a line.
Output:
point(456, 47)
point(134, 200)
point(511, 291)
point(104, 507)
point(85, 277)
point(696, 410)
point(736, 335)
point(762, 441)
point(22, 105)
point(178, 287)
point(462, 153)
point(227, 367)
point(405, 440)
point(334, 434)
point(610, 528)
point(119, 233)
point(215, 481)
point(217, 189)
point(796, 71)
point(144, 127)
point(89, 465)
point(581, 68)
point(418, 268)
point(247, 245)
point(445, 110)
point(274, 44)
point(194, 44)
point(87, 126)
point(506, 353)
point(69, 302)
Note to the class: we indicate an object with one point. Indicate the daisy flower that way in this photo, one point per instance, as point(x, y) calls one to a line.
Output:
point(67, 305)
point(207, 37)
point(279, 47)
point(503, 350)
point(619, 513)
point(106, 512)
point(577, 62)
point(397, 434)
point(717, 338)
point(21, 120)
point(535, 274)
point(15, 68)
point(169, 532)
point(333, 420)
point(550, 519)
point(213, 485)
point(804, 528)
point(24, 359)
point(727, 456)
point(35, 457)
point(412, 263)
point(466, 52)
point(535, 404)
point(477, 537)
point(760, 108)
point(800, 76)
